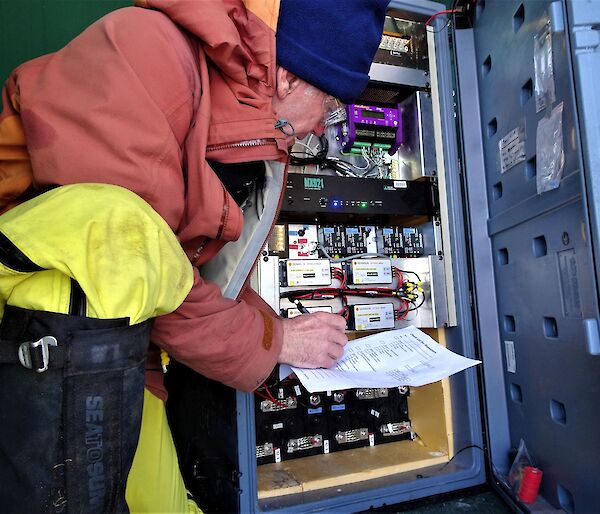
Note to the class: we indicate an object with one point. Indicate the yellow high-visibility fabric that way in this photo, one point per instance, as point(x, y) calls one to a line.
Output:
point(121, 252)
point(129, 264)
point(155, 484)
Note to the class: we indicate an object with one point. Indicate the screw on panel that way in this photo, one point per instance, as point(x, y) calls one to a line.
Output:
point(266, 259)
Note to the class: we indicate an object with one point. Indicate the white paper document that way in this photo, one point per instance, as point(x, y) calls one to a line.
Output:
point(389, 359)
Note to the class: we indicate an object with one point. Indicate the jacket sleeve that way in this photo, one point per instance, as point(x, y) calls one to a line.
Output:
point(237, 343)
point(15, 167)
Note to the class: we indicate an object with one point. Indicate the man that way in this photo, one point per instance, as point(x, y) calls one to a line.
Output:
point(145, 99)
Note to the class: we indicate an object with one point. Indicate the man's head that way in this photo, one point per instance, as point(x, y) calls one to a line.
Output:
point(324, 48)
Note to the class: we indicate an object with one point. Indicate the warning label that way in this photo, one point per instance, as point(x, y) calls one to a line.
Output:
point(569, 283)
point(512, 149)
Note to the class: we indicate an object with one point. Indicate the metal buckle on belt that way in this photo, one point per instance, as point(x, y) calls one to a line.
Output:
point(41, 347)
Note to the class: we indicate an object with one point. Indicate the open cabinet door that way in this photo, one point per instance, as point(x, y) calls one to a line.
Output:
point(530, 116)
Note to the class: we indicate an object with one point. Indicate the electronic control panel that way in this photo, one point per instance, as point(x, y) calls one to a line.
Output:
point(330, 194)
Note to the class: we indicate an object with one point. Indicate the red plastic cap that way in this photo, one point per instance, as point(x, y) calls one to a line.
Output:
point(530, 484)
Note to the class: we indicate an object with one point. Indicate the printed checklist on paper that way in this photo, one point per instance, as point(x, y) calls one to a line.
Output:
point(394, 358)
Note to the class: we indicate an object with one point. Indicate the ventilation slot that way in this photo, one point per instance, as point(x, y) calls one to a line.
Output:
point(550, 328)
point(516, 394)
point(487, 65)
point(492, 127)
point(526, 91)
point(530, 168)
point(503, 256)
point(497, 191)
point(558, 412)
point(565, 499)
point(519, 18)
point(509, 323)
point(539, 246)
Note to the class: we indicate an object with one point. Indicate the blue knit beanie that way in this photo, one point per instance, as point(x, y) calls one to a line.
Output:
point(330, 43)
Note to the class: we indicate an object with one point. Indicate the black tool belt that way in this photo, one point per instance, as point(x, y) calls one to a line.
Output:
point(71, 396)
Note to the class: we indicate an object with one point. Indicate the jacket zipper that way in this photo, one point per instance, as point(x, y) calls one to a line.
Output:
point(250, 143)
point(16, 260)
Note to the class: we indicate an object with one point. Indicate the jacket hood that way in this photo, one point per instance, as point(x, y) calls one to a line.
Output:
point(237, 42)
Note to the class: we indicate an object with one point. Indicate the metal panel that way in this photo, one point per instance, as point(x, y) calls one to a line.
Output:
point(483, 279)
point(545, 279)
point(416, 156)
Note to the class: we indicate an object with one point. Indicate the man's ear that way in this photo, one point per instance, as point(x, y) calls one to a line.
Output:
point(286, 82)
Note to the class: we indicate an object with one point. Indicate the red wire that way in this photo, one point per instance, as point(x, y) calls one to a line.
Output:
point(271, 397)
point(400, 276)
point(447, 11)
point(264, 397)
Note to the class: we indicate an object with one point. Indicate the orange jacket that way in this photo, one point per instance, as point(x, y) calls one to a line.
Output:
point(141, 99)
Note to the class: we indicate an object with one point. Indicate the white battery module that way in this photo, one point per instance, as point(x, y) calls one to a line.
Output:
point(293, 312)
point(303, 242)
point(309, 272)
point(373, 316)
point(372, 271)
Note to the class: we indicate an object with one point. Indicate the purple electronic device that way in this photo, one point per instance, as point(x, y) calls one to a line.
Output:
point(371, 123)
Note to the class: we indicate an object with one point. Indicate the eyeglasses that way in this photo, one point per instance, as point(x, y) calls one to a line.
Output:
point(334, 111)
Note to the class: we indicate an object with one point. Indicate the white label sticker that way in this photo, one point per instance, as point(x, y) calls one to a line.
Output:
point(400, 184)
point(512, 149)
point(277, 455)
point(372, 271)
point(294, 313)
point(374, 316)
point(298, 390)
point(326, 446)
point(374, 413)
point(277, 426)
point(328, 393)
point(313, 272)
point(280, 394)
point(371, 440)
point(511, 360)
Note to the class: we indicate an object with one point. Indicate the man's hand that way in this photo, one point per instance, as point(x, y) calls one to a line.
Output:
point(313, 340)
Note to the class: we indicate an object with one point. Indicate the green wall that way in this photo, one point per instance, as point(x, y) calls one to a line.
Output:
point(29, 28)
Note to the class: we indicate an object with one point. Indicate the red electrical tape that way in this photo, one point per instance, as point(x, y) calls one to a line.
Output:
point(530, 484)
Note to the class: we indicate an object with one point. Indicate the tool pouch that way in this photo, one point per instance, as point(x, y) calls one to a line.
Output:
point(71, 396)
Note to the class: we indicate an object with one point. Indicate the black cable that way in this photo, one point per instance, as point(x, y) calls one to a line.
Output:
point(413, 273)
point(453, 457)
point(451, 17)
point(417, 307)
point(322, 159)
